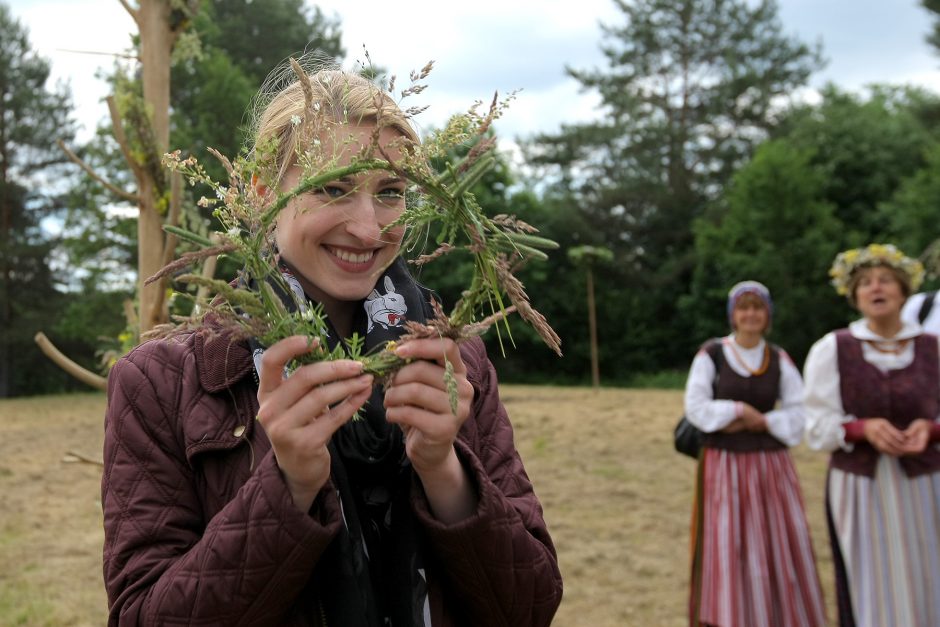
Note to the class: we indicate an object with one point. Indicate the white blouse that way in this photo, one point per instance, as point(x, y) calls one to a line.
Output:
point(823, 396)
point(709, 414)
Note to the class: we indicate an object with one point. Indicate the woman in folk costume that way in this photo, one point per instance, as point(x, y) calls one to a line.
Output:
point(752, 557)
point(872, 399)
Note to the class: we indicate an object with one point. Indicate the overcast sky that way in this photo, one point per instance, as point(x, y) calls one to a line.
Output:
point(487, 45)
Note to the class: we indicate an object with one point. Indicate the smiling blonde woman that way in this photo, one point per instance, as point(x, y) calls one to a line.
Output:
point(241, 491)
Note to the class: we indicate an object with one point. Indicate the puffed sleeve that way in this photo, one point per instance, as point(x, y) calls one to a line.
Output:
point(823, 397)
point(787, 421)
point(701, 408)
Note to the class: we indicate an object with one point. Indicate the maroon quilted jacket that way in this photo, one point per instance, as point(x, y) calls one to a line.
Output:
point(200, 528)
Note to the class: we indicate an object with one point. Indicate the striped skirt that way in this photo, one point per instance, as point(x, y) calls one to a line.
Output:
point(886, 546)
point(752, 558)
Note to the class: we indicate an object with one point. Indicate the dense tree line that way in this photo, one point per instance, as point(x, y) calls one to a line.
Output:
point(702, 171)
point(32, 116)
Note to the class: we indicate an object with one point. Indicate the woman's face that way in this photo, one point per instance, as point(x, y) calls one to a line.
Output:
point(750, 315)
point(332, 237)
point(878, 293)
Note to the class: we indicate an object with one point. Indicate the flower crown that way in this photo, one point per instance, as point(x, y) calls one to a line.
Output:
point(848, 261)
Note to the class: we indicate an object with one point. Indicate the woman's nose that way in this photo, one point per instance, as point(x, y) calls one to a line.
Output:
point(361, 221)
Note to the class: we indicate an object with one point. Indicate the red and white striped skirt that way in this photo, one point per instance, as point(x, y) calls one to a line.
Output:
point(752, 557)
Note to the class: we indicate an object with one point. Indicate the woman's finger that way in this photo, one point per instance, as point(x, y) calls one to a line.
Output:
point(277, 356)
point(438, 350)
point(317, 399)
point(321, 426)
point(311, 388)
point(420, 396)
point(890, 439)
point(315, 375)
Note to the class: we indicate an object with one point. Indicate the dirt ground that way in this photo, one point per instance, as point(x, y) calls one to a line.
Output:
point(616, 498)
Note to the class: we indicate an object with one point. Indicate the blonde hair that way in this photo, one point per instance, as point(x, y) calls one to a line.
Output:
point(339, 96)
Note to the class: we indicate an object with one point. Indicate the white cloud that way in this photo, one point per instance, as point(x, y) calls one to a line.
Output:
point(503, 45)
point(66, 32)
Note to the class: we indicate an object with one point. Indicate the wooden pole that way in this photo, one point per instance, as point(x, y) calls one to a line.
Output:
point(592, 326)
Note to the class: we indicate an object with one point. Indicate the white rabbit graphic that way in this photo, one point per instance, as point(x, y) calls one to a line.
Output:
point(386, 310)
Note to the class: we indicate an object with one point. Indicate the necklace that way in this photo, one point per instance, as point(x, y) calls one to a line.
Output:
point(895, 350)
point(764, 364)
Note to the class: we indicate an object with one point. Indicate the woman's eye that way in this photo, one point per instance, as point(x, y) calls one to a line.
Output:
point(332, 191)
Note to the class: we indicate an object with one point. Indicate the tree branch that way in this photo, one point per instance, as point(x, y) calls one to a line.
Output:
point(114, 189)
point(82, 374)
point(170, 240)
point(130, 314)
point(134, 13)
point(117, 125)
point(208, 272)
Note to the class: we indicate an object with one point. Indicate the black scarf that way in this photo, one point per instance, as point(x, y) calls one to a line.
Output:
point(372, 574)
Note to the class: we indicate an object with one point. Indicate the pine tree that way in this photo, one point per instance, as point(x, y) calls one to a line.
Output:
point(690, 88)
point(32, 117)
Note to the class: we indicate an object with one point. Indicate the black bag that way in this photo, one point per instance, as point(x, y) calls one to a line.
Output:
point(687, 438)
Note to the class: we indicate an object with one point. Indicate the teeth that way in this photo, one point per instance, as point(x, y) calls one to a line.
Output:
point(351, 257)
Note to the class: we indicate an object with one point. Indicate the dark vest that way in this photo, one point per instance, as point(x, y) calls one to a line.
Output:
point(898, 395)
point(761, 392)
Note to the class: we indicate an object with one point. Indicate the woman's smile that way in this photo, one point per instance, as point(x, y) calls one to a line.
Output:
point(350, 258)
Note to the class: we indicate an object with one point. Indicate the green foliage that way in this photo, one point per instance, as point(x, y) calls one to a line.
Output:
point(933, 6)
point(588, 256)
point(661, 380)
point(865, 148)
point(911, 212)
point(688, 92)
point(240, 42)
point(778, 229)
point(32, 117)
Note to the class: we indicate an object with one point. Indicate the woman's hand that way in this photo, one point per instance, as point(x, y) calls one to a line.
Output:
point(750, 420)
point(884, 436)
point(300, 414)
point(917, 436)
point(418, 401)
point(753, 419)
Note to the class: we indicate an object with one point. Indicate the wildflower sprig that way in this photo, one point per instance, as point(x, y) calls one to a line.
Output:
point(261, 304)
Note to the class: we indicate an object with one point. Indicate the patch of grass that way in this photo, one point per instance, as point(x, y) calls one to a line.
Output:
point(608, 471)
point(9, 536)
point(540, 445)
point(663, 380)
point(616, 497)
point(21, 604)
